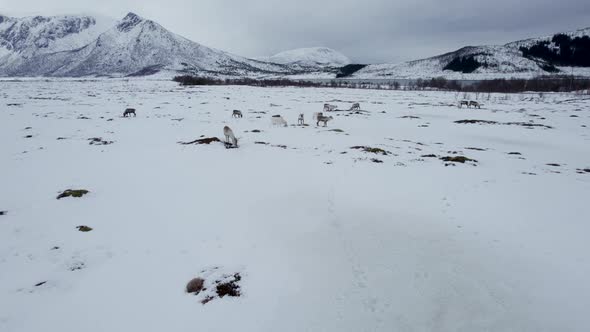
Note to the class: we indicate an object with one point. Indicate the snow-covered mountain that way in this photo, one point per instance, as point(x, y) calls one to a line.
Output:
point(320, 57)
point(133, 46)
point(22, 39)
point(486, 62)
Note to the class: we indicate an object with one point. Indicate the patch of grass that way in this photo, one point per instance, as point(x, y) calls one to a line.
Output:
point(476, 149)
point(476, 121)
point(369, 149)
point(84, 228)
point(377, 161)
point(229, 288)
point(99, 141)
point(73, 193)
point(554, 165)
point(256, 131)
point(206, 140)
point(337, 130)
point(515, 153)
point(522, 124)
point(260, 142)
point(457, 159)
point(429, 156)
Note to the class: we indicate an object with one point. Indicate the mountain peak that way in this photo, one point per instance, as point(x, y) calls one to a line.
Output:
point(128, 22)
point(311, 56)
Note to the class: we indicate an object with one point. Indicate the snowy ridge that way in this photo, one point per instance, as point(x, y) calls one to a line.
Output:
point(134, 46)
point(310, 57)
point(502, 61)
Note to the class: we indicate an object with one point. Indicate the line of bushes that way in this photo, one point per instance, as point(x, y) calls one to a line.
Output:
point(539, 84)
point(197, 80)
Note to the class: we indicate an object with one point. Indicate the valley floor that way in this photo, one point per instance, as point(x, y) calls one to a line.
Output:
point(323, 236)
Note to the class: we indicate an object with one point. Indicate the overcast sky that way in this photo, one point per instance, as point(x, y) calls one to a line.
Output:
point(369, 31)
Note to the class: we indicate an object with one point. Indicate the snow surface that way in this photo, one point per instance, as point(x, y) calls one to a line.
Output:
point(324, 238)
point(310, 57)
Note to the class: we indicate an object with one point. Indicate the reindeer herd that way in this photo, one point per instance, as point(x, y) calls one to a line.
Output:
point(278, 120)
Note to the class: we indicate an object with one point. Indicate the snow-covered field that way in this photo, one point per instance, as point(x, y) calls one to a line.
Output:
point(323, 237)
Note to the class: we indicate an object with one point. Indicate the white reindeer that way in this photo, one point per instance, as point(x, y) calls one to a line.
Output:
point(277, 120)
point(237, 114)
point(229, 134)
point(300, 120)
point(329, 108)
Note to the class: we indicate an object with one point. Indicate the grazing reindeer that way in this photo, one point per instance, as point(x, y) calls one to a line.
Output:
point(237, 114)
point(300, 120)
point(129, 111)
point(323, 119)
point(463, 102)
point(356, 107)
point(277, 120)
point(474, 104)
point(229, 134)
point(329, 108)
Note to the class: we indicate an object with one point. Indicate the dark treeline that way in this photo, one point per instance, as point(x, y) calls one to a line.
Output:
point(568, 51)
point(196, 80)
point(539, 84)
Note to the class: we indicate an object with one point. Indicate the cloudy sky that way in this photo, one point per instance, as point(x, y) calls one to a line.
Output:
point(369, 31)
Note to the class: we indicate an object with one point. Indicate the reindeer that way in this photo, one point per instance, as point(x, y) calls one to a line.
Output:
point(323, 119)
point(129, 111)
point(463, 102)
point(300, 120)
point(474, 104)
point(237, 114)
point(356, 107)
point(277, 120)
point(329, 108)
point(229, 134)
point(316, 115)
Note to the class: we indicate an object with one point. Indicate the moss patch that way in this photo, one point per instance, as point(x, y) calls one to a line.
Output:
point(99, 141)
point(369, 149)
point(230, 287)
point(84, 228)
point(73, 193)
point(457, 159)
point(206, 140)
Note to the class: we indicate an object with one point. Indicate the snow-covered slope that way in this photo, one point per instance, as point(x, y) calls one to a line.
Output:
point(326, 238)
point(24, 38)
point(501, 61)
point(310, 57)
point(133, 46)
